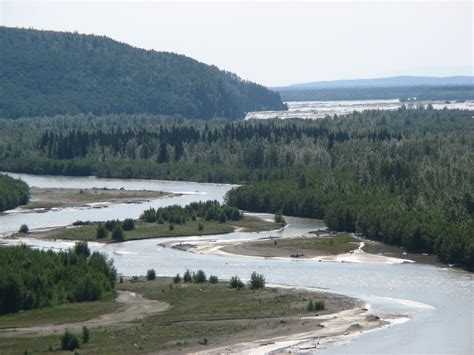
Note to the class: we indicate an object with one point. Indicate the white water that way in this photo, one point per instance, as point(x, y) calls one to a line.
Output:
point(439, 301)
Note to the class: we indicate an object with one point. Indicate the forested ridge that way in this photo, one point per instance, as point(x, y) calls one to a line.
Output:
point(13, 193)
point(31, 278)
point(45, 73)
point(404, 177)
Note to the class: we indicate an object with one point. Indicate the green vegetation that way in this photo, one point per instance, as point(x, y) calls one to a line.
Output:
point(187, 276)
point(199, 277)
point(33, 278)
point(338, 244)
point(190, 319)
point(49, 73)
point(69, 341)
point(279, 218)
point(403, 177)
point(315, 306)
point(102, 232)
point(117, 234)
point(151, 274)
point(64, 313)
point(143, 230)
point(128, 224)
point(12, 193)
point(235, 282)
point(208, 211)
point(198, 218)
point(86, 335)
point(177, 279)
point(257, 281)
point(24, 229)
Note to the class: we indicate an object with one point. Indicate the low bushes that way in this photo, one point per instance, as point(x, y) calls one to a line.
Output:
point(69, 341)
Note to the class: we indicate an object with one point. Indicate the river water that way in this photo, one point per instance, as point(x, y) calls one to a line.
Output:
point(438, 301)
point(320, 109)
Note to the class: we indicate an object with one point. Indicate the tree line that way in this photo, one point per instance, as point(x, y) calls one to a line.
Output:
point(206, 211)
point(13, 192)
point(31, 278)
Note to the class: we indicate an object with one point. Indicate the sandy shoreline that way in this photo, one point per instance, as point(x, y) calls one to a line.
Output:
point(232, 248)
point(314, 333)
point(47, 199)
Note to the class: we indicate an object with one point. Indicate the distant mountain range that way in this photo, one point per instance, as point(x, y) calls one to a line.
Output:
point(46, 73)
point(390, 82)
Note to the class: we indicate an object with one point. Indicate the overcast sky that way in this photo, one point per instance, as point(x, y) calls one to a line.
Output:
point(278, 43)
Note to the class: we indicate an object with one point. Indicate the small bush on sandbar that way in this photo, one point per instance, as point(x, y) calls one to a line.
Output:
point(235, 282)
point(257, 281)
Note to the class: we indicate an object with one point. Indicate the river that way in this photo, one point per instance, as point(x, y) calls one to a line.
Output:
point(439, 301)
point(320, 109)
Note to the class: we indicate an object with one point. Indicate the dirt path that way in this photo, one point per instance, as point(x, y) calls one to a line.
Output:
point(136, 307)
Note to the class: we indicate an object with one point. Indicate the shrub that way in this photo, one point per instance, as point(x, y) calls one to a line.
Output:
point(117, 234)
point(199, 277)
point(128, 224)
point(279, 218)
point(111, 224)
point(177, 279)
point(69, 341)
point(235, 282)
point(151, 274)
point(187, 276)
point(200, 227)
point(316, 306)
point(102, 232)
point(319, 305)
point(86, 335)
point(257, 281)
point(24, 228)
point(171, 227)
point(213, 279)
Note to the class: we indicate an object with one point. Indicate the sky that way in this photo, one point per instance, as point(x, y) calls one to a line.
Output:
point(277, 43)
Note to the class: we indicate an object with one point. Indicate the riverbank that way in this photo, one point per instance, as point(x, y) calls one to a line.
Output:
point(48, 198)
point(235, 320)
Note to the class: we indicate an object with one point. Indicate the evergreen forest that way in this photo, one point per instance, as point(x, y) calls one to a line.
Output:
point(403, 177)
point(13, 193)
point(31, 278)
point(46, 73)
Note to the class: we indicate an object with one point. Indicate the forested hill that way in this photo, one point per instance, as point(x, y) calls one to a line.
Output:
point(50, 73)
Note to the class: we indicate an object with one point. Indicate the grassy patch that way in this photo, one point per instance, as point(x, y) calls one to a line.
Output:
point(65, 313)
point(341, 243)
point(199, 311)
point(49, 198)
point(145, 230)
point(255, 224)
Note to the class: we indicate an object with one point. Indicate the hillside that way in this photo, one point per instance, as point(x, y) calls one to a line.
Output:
point(45, 73)
point(390, 82)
